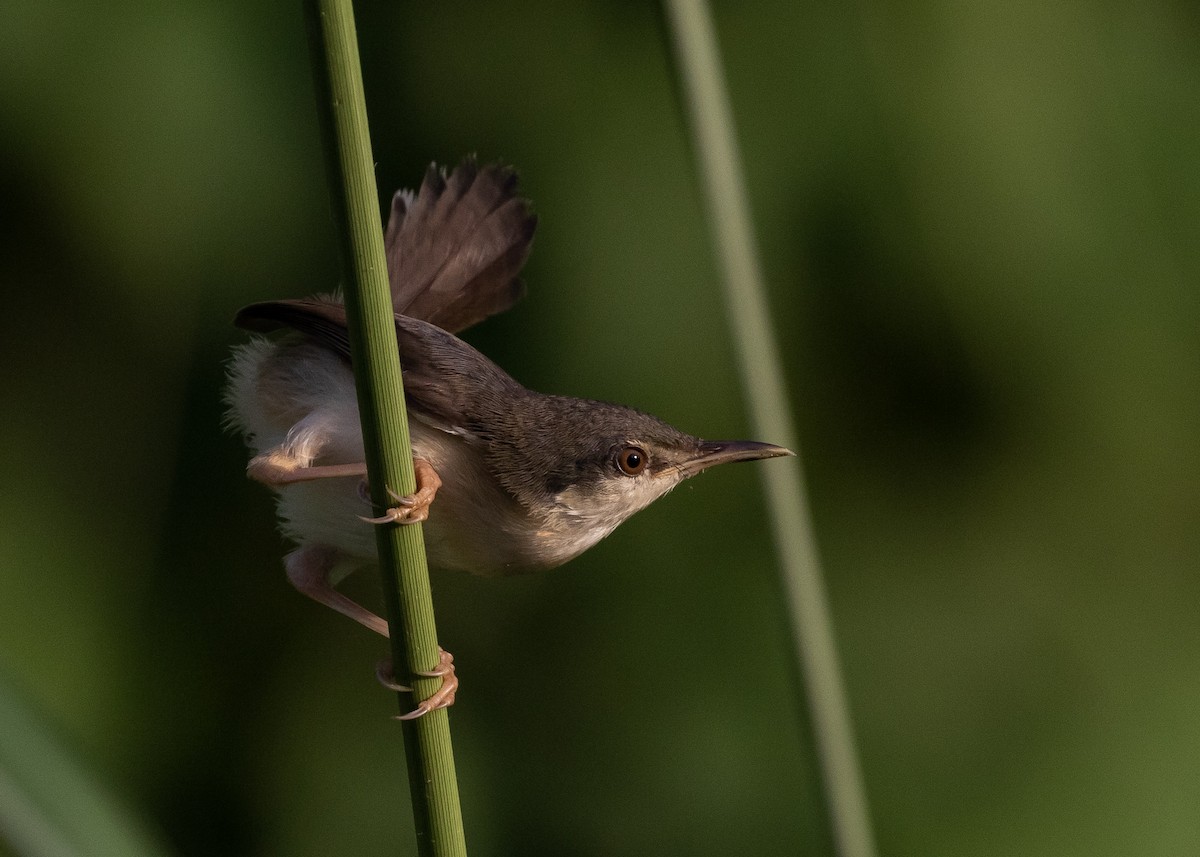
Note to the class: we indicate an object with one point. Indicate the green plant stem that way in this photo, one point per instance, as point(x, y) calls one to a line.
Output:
point(376, 361)
point(699, 67)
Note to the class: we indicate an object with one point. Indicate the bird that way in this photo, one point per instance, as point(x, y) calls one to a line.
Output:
point(508, 480)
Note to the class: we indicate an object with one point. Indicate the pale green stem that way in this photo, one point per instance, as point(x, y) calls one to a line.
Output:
point(409, 604)
point(699, 68)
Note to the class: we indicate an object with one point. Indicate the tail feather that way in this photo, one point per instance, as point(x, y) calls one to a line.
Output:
point(454, 250)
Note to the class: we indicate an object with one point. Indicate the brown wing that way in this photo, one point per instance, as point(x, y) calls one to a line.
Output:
point(455, 249)
point(446, 381)
point(322, 319)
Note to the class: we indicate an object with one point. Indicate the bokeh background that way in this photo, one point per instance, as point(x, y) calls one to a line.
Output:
point(979, 226)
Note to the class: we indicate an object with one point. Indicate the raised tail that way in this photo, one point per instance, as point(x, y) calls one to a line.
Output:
point(456, 247)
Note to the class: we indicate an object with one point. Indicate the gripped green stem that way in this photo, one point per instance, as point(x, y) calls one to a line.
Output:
point(699, 67)
point(409, 605)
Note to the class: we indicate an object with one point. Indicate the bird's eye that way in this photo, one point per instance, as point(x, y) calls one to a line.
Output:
point(631, 460)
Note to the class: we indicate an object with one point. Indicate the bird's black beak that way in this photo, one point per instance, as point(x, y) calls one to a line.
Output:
point(713, 452)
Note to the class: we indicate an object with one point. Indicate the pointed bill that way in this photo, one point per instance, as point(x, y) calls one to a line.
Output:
point(713, 452)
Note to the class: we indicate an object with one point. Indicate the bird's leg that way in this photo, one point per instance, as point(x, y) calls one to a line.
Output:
point(414, 507)
point(275, 469)
point(309, 569)
point(292, 460)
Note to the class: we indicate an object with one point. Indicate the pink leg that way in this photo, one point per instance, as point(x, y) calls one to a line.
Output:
point(308, 569)
point(275, 470)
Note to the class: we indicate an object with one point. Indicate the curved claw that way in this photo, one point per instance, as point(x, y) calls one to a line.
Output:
point(443, 697)
point(398, 515)
point(409, 508)
point(383, 672)
point(402, 499)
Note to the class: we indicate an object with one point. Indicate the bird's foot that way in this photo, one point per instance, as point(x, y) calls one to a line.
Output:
point(443, 697)
point(411, 508)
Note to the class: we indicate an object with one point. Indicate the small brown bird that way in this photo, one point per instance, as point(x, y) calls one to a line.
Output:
point(522, 480)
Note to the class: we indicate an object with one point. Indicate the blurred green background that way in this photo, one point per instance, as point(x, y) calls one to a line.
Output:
point(979, 226)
